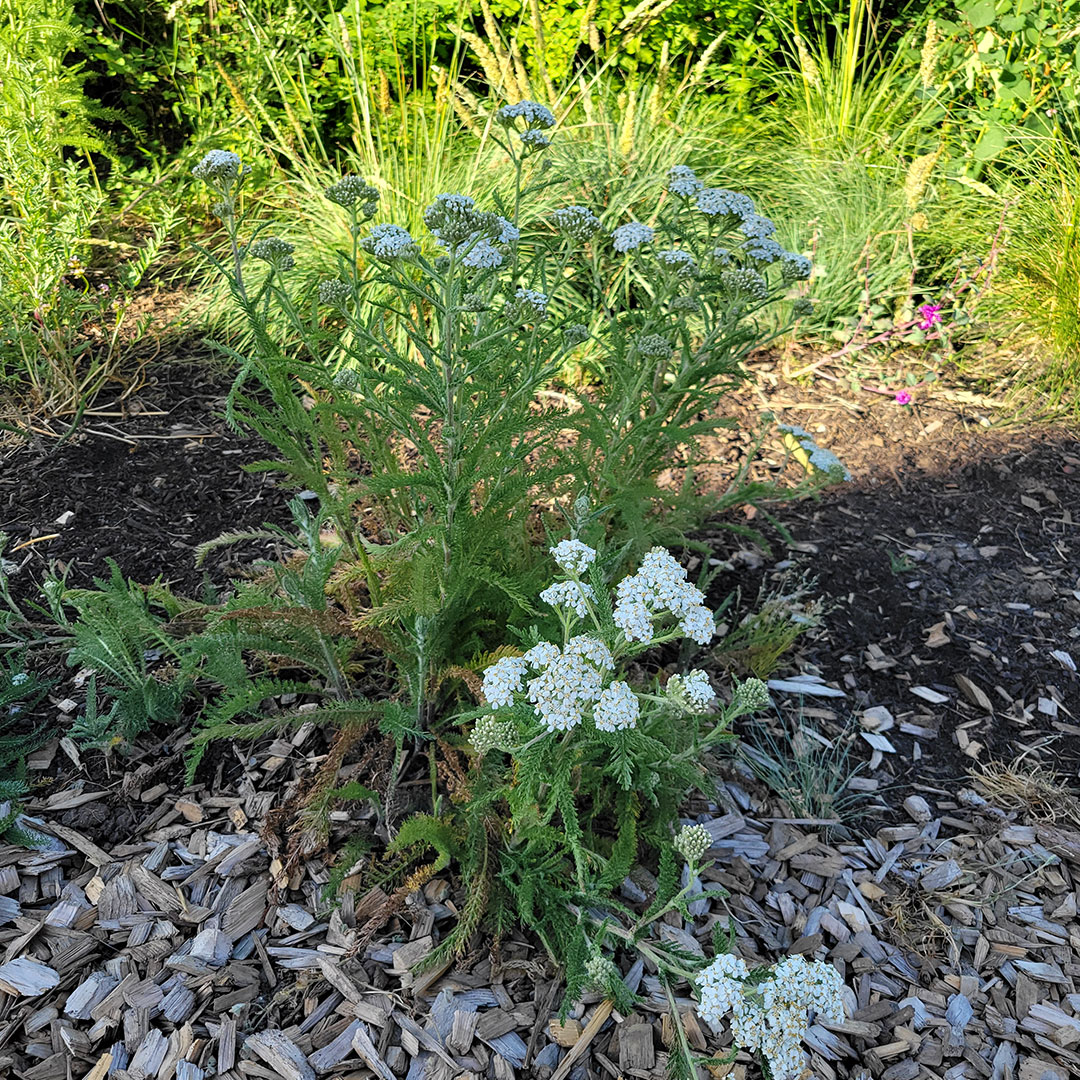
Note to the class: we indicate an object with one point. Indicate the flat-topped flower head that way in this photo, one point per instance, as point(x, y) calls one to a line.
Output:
point(751, 695)
point(575, 333)
point(630, 236)
point(528, 305)
point(275, 251)
point(509, 233)
point(503, 679)
point(744, 284)
point(653, 345)
point(683, 181)
point(575, 596)
point(388, 242)
point(454, 220)
point(795, 267)
point(533, 113)
point(573, 557)
point(219, 165)
point(491, 733)
point(691, 691)
point(765, 250)
point(569, 681)
point(535, 140)
point(354, 193)
point(579, 223)
point(335, 293)
point(483, 255)
point(682, 262)
point(659, 586)
point(719, 202)
point(756, 226)
point(618, 708)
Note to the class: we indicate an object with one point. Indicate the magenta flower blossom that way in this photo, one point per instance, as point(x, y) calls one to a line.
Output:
point(931, 316)
point(903, 397)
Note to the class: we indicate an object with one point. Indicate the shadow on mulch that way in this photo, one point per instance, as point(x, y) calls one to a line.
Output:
point(950, 554)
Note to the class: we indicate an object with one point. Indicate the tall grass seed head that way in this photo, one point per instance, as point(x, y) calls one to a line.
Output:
point(692, 841)
point(573, 557)
point(354, 193)
point(335, 293)
point(388, 242)
point(630, 236)
point(618, 708)
point(719, 202)
point(579, 223)
point(683, 181)
point(275, 251)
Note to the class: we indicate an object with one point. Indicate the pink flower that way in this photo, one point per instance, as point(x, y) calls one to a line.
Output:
point(903, 397)
point(931, 316)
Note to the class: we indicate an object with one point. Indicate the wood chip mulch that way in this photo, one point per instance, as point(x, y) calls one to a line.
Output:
point(190, 953)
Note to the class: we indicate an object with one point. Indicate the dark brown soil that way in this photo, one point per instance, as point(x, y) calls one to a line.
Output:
point(144, 489)
point(946, 524)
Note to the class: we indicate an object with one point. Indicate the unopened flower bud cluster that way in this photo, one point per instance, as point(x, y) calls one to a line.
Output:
point(692, 842)
point(770, 1016)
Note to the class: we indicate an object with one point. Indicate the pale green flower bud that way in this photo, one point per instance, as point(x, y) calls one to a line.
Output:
point(752, 695)
point(692, 842)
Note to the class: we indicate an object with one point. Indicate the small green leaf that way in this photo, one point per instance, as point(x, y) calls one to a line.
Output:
point(981, 14)
point(992, 143)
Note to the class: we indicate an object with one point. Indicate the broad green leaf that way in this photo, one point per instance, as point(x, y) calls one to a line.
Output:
point(981, 13)
point(991, 144)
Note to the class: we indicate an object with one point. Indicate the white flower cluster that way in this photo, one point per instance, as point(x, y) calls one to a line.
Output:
point(483, 255)
point(454, 219)
point(631, 235)
point(503, 679)
point(682, 262)
point(389, 242)
point(572, 556)
point(528, 305)
point(659, 586)
point(692, 842)
point(823, 460)
point(765, 250)
point(577, 222)
point(275, 251)
point(771, 1017)
point(617, 709)
point(575, 595)
point(691, 691)
point(538, 118)
point(795, 267)
point(569, 681)
point(219, 166)
point(717, 202)
point(683, 181)
point(756, 227)
point(20, 678)
point(354, 192)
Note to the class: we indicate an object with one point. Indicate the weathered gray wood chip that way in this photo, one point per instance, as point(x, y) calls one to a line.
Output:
point(24, 977)
point(281, 1054)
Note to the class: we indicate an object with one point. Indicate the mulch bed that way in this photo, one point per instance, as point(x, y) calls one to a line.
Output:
point(161, 935)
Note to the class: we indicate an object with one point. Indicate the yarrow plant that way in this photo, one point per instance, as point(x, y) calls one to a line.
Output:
point(580, 766)
point(768, 1007)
